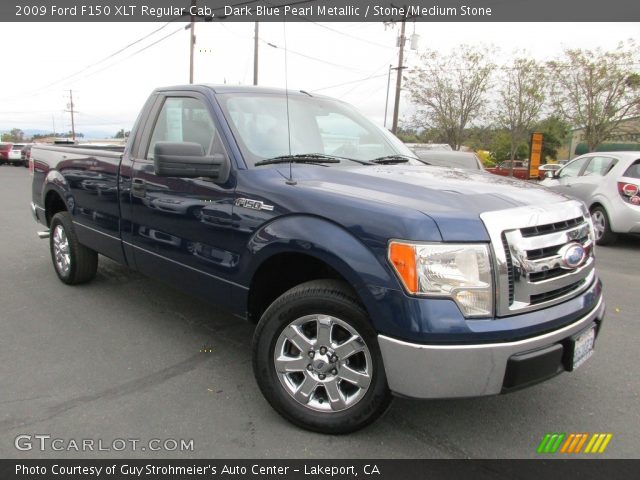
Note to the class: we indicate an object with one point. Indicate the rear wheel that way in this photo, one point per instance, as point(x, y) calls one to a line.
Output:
point(602, 227)
point(73, 262)
point(317, 360)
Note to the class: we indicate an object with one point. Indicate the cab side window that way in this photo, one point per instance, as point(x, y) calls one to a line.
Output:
point(185, 119)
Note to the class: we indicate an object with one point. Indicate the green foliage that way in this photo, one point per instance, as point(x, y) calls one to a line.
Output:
point(14, 136)
point(555, 131)
point(501, 147)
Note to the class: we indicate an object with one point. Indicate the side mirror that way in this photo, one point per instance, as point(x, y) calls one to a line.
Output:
point(551, 174)
point(187, 160)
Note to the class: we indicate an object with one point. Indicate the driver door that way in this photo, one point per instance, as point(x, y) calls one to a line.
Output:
point(173, 238)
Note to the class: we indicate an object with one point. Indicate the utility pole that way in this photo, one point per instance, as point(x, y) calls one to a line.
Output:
point(192, 41)
point(73, 124)
point(255, 54)
point(386, 101)
point(394, 126)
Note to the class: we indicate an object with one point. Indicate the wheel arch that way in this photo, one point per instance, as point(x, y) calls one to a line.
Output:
point(297, 249)
point(53, 203)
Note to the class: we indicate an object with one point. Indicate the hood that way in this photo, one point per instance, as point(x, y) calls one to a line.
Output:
point(453, 198)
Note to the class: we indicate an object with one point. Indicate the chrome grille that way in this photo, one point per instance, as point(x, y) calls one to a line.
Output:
point(528, 245)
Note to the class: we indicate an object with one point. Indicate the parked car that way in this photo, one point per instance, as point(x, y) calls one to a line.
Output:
point(444, 158)
point(26, 155)
point(5, 148)
point(608, 183)
point(547, 167)
point(520, 169)
point(15, 154)
point(367, 272)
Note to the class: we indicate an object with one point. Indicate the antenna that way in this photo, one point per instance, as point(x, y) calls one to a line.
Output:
point(290, 180)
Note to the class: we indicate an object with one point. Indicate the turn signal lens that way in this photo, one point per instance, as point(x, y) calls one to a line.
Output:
point(403, 259)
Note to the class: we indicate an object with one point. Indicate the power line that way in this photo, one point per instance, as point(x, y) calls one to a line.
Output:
point(103, 60)
point(348, 35)
point(348, 83)
point(135, 53)
point(370, 76)
point(327, 62)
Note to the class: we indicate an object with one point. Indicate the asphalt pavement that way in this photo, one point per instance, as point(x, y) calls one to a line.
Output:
point(128, 358)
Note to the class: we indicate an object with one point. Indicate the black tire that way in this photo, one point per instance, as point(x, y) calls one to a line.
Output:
point(604, 234)
point(82, 261)
point(335, 300)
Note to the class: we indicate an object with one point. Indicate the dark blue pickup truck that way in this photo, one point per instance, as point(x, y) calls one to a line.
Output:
point(367, 272)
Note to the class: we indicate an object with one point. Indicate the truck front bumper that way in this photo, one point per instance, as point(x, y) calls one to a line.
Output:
point(449, 371)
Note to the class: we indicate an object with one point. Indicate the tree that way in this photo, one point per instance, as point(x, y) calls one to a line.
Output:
point(520, 100)
point(554, 130)
point(15, 136)
point(501, 147)
point(122, 134)
point(595, 90)
point(450, 91)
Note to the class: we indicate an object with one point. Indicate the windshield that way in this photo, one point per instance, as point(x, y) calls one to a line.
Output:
point(318, 126)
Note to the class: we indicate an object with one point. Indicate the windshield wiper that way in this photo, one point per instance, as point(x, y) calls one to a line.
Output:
point(391, 159)
point(302, 158)
point(308, 158)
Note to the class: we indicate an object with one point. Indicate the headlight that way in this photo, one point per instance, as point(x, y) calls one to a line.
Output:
point(461, 272)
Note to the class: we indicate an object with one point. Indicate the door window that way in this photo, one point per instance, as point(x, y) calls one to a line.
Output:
point(184, 119)
point(573, 169)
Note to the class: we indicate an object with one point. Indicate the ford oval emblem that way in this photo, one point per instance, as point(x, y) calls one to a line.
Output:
point(572, 255)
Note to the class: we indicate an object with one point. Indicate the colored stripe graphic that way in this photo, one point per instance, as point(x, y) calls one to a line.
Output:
point(551, 442)
point(573, 443)
point(598, 443)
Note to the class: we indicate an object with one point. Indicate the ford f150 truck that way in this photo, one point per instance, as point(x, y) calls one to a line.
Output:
point(367, 272)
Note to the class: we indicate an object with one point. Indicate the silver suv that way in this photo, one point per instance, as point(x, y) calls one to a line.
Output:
point(608, 183)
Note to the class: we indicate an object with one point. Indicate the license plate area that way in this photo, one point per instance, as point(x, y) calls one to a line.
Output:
point(581, 348)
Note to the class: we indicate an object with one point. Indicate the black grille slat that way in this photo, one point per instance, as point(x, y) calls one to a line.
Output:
point(546, 274)
point(552, 294)
point(550, 227)
point(543, 252)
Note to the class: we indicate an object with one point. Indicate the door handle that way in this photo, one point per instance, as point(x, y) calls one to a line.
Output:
point(139, 188)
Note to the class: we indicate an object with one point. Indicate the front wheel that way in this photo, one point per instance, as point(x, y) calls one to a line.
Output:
point(74, 263)
point(317, 361)
point(602, 227)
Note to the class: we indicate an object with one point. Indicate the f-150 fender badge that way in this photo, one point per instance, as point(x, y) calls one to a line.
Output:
point(252, 204)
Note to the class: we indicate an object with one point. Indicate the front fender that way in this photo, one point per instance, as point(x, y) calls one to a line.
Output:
point(370, 276)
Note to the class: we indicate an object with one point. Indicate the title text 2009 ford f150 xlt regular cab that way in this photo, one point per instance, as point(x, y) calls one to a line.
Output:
point(368, 272)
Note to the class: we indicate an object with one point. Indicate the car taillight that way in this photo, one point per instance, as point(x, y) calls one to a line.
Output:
point(629, 192)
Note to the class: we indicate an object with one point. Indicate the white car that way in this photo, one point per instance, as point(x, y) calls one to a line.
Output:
point(608, 183)
point(15, 154)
